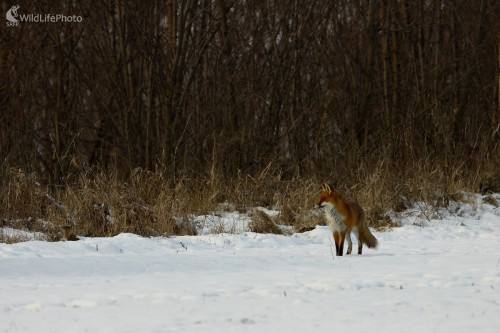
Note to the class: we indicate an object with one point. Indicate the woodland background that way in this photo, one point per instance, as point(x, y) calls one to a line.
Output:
point(169, 107)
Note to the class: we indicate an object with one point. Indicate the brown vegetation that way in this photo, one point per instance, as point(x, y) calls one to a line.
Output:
point(263, 223)
point(147, 112)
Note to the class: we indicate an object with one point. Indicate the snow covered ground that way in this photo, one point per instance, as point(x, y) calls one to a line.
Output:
point(439, 272)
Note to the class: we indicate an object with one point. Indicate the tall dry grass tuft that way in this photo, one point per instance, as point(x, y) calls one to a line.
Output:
point(98, 204)
point(101, 205)
point(295, 201)
point(263, 223)
point(21, 196)
point(26, 205)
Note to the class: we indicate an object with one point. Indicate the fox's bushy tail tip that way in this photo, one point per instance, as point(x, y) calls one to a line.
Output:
point(367, 238)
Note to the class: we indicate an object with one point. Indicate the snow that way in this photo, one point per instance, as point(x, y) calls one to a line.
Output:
point(225, 222)
point(21, 235)
point(433, 274)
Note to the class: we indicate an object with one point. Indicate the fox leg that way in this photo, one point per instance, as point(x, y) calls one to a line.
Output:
point(360, 243)
point(341, 243)
point(349, 242)
point(336, 238)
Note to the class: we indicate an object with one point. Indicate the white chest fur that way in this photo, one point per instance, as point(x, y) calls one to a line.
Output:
point(334, 219)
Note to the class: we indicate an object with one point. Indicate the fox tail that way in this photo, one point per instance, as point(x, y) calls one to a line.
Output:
point(367, 237)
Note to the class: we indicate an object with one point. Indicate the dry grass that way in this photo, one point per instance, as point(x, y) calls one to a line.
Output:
point(98, 205)
point(145, 203)
point(263, 223)
point(491, 200)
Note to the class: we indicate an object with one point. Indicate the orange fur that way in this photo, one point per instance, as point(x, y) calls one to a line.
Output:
point(343, 217)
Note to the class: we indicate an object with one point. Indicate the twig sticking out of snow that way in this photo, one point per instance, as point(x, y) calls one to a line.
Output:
point(184, 246)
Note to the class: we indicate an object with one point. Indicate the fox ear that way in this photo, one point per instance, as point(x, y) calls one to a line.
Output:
point(327, 188)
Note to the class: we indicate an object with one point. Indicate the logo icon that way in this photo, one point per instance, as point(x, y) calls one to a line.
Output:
point(11, 15)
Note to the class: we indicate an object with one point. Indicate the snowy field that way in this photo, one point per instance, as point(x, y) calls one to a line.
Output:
point(439, 272)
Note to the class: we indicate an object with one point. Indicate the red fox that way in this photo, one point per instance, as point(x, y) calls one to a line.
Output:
point(343, 217)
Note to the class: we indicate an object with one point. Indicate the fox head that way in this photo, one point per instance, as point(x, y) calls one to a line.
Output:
point(329, 196)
